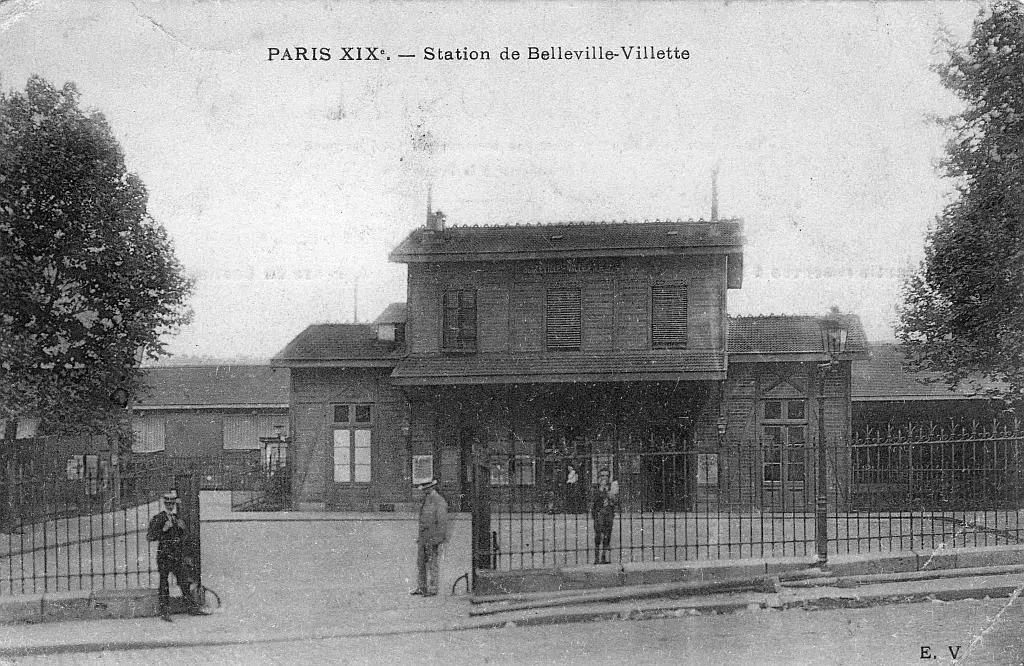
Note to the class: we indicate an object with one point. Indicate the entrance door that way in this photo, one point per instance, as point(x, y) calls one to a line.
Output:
point(786, 459)
point(350, 472)
point(666, 471)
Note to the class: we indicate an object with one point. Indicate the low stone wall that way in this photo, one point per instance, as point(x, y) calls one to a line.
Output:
point(95, 605)
point(583, 577)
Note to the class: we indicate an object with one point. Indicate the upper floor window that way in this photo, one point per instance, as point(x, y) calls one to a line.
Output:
point(564, 314)
point(459, 325)
point(668, 316)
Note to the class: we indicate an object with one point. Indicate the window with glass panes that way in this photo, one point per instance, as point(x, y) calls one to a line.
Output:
point(519, 470)
point(784, 441)
point(352, 427)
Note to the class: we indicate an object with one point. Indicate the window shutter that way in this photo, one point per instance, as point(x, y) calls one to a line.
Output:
point(564, 314)
point(240, 432)
point(668, 316)
point(451, 319)
point(149, 434)
point(459, 319)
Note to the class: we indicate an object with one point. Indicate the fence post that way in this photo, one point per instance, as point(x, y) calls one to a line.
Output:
point(8, 509)
point(188, 485)
point(821, 498)
point(481, 547)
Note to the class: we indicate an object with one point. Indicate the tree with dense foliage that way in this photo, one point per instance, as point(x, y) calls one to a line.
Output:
point(88, 279)
point(963, 311)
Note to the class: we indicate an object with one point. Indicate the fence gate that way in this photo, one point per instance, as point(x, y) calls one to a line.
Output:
point(72, 522)
point(81, 526)
point(188, 483)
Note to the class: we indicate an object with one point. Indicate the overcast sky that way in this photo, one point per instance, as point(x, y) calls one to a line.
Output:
point(283, 183)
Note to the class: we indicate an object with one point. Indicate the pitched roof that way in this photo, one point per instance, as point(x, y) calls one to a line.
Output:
point(213, 385)
point(884, 375)
point(393, 314)
point(764, 336)
point(514, 368)
point(339, 345)
point(571, 240)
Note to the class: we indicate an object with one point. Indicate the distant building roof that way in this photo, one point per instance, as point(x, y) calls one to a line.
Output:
point(348, 345)
point(885, 376)
point(393, 314)
point(771, 337)
point(209, 386)
point(571, 240)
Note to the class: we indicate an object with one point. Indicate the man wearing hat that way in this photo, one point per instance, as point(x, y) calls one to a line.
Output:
point(169, 530)
point(433, 532)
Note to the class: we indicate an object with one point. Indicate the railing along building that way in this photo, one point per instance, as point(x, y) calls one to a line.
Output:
point(918, 488)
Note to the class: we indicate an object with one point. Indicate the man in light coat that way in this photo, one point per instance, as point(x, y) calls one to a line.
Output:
point(433, 532)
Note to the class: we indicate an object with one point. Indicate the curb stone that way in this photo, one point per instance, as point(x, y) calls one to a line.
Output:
point(933, 591)
point(767, 602)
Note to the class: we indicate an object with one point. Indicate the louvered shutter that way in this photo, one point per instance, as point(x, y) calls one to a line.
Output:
point(240, 432)
point(451, 319)
point(668, 316)
point(564, 314)
point(459, 319)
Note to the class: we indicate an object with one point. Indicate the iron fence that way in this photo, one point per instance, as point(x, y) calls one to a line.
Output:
point(265, 483)
point(84, 527)
point(931, 487)
point(920, 489)
point(80, 532)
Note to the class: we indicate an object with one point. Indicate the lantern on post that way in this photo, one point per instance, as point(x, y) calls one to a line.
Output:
point(833, 338)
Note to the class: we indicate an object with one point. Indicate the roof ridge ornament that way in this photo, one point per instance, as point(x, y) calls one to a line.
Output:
point(714, 194)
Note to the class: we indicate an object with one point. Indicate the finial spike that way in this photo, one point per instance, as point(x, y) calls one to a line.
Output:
point(714, 194)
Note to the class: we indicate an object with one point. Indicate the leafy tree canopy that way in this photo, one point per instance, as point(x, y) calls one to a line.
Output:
point(963, 311)
point(87, 277)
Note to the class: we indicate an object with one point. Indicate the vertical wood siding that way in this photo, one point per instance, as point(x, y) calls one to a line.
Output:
point(616, 301)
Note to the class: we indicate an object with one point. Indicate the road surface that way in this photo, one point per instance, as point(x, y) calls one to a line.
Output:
point(977, 632)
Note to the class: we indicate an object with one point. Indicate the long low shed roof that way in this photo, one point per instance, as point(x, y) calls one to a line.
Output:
point(213, 387)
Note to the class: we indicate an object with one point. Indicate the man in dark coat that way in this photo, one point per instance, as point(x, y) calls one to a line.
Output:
point(170, 533)
point(433, 531)
point(603, 512)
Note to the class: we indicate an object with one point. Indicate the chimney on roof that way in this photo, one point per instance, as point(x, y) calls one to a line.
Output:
point(435, 219)
point(714, 194)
